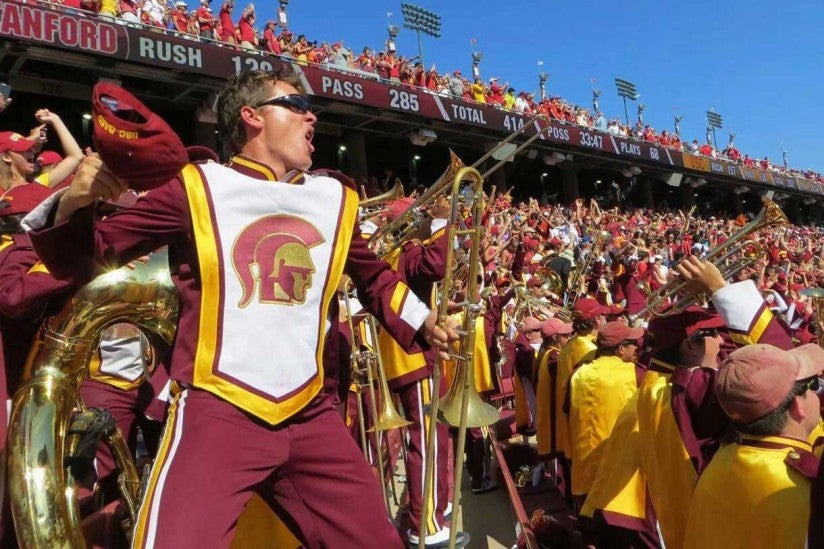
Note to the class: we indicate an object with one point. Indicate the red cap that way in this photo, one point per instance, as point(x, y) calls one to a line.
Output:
point(554, 325)
point(135, 143)
point(534, 282)
point(502, 281)
point(587, 308)
point(796, 287)
point(23, 198)
point(397, 207)
point(14, 142)
point(669, 331)
point(531, 324)
point(47, 158)
point(755, 379)
point(613, 333)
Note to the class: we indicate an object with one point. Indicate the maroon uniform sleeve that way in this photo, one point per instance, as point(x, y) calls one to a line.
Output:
point(25, 285)
point(427, 262)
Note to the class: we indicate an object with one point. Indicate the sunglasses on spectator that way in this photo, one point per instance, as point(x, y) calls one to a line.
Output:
point(295, 102)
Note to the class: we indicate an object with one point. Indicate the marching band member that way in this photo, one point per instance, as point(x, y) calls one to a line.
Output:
point(598, 391)
point(527, 345)
point(587, 316)
point(556, 334)
point(421, 263)
point(761, 483)
point(245, 274)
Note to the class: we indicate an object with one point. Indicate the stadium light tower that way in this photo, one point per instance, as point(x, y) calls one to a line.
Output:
point(282, 21)
point(627, 90)
point(714, 121)
point(542, 78)
point(421, 21)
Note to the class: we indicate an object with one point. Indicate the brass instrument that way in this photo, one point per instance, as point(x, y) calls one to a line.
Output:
point(391, 235)
point(42, 493)
point(578, 275)
point(364, 358)
point(370, 207)
point(816, 296)
point(462, 406)
point(739, 244)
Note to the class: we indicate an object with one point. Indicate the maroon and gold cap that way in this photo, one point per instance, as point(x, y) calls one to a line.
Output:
point(23, 198)
point(135, 143)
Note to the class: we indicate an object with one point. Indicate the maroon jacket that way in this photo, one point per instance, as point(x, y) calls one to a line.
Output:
point(82, 247)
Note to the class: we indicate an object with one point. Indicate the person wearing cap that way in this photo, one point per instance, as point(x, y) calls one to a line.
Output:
point(587, 316)
point(180, 16)
point(527, 346)
point(421, 263)
point(456, 84)
point(17, 155)
point(761, 483)
point(206, 20)
point(598, 391)
point(254, 412)
point(249, 39)
point(270, 41)
point(555, 334)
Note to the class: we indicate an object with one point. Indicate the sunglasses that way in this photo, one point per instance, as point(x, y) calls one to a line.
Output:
point(298, 104)
point(815, 384)
point(706, 332)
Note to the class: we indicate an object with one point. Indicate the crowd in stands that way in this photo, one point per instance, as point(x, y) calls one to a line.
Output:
point(388, 65)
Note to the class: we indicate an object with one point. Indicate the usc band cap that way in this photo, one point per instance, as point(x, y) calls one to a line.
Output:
point(669, 331)
point(755, 379)
point(135, 143)
point(14, 142)
point(23, 198)
point(613, 333)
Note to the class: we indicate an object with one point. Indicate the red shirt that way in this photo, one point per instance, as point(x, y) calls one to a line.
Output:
point(270, 41)
point(126, 6)
point(204, 13)
point(180, 19)
point(226, 21)
point(706, 150)
point(247, 33)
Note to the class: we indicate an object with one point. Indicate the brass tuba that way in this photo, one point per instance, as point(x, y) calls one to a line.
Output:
point(42, 493)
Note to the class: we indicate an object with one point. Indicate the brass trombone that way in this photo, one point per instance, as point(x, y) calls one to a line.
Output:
point(739, 244)
point(364, 358)
point(391, 235)
point(462, 406)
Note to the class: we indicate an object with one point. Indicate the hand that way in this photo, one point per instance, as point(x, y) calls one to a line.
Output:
point(4, 102)
point(701, 276)
point(438, 337)
point(45, 116)
point(38, 133)
point(92, 181)
point(441, 209)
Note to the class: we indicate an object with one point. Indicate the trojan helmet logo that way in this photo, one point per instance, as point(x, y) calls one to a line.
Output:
point(273, 253)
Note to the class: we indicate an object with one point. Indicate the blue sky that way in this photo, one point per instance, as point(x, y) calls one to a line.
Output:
point(761, 64)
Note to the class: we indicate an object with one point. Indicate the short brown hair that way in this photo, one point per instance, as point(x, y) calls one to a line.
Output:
point(247, 88)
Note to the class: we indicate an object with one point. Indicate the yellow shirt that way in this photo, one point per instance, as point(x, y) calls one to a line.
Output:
point(478, 93)
point(753, 494)
point(577, 349)
point(599, 390)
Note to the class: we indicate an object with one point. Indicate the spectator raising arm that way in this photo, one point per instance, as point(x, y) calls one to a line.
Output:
point(72, 151)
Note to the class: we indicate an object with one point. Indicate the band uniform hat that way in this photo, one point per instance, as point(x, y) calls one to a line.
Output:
point(555, 326)
point(47, 158)
point(531, 324)
point(23, 198)
point(587, 308)
point(669, 331)
point(613, 333)
point(14, 142)
point(754, 380)
point(135, 143)
point(397, 207)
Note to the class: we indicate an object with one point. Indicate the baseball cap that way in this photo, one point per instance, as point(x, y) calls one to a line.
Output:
point(397, 207)
point(14, 142)
point(23, 198)
point(531, 324)
point(554, 325)
point(47, 158)
point(613, 333)
point(587, 308)
point(754, 380)
point(135, 143)
point(669, 331)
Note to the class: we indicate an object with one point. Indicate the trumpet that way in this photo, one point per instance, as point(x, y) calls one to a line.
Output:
point(370, 207)
point(740, 244)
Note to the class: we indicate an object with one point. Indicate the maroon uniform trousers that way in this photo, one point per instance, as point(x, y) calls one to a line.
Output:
point(213, 456)
point(414, 399)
